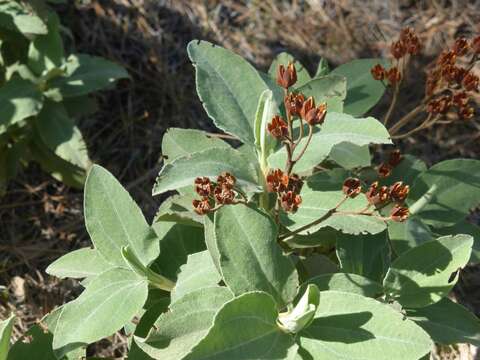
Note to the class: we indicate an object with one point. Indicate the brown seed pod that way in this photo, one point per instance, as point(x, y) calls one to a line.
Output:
point(201, 207)
point(294, 103)
point(227, 180)
point(384, 170)
point(203, 186)
point(399, 213)
point(290, 201)
point(286, 77)
point(224, 195)
point(399, 191)
point(278, 127)
point(352, 187)
point(377, 195)
point(378, 72)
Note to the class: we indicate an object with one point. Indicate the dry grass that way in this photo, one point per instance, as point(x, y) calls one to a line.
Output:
point(42, 219)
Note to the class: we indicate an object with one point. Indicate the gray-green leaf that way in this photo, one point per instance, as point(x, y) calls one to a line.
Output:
point(448, 323)
point(6, 327)
point(350, 156)
point(114, 220)
point(108, 303)
point(81, 263)
point(350, 326)
point(250, 257)
point(409, 234)
point(363, 91)
point(347, 282)
point(199, 272)
point(212, 162)
point(338, 128)
point(330, 89)
point(422, 276)
point(246, 328)
point(228, 86)
point(444, 194)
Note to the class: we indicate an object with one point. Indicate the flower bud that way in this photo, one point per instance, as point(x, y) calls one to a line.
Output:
point(286, 77)
point(352, 187)
point(278, 127)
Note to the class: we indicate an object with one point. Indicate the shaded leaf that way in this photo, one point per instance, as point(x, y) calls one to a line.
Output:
point(350, 156)
point(422, 276)
point(347, 282)
point(464, 227)
point(408, 234)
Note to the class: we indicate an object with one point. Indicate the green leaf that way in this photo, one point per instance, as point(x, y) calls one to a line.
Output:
point(250, 258)
point(40, 344)
point(246, 328)
point(81, 263)
point(14, 16)
point(177, 143)
point(212, 162)
point(444, 194)
point(6, 327)
point(59, 132)
point(199, 272)
point(314, 265)
point(109, 302)
point(422, 276)
point(228, 86)
point(366, 255)
point(347, 282)
point(19, 99)
point(363, 91)
point(323, 240)
point(338, 128)
point(350, 156)
point(187, 322)
point(114, 220)
point(179, 208)
point(322, 68)
point(409, 234)
point(177, 241)
point(464, 227)
point(46, 51)
point(211, 240)
point(317, 204)
point(85, 74)
point(350, 326)
point(330, 89)
point(283, 59)
point(448, 323)
point(80, 106)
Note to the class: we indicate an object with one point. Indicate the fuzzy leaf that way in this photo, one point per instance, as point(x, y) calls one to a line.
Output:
point(114, 220)
point(81, 263)
point(347, 282)
point(423, 275)
point(444, 194)
point(228, 86)
point(6, 327)
point(409, 234)
point(179, 208)
point(350, 326)
point(246, 328)
point(177, 143)
point(363, 91)
point(250, 258)
point(109, 302)
point(330, 89)
point(16, 17)
point(448, 323)
point(212, 162)
point(338, 128)
point(464, 227)
point(185, 325)
point(199, 272)
point(350, 156)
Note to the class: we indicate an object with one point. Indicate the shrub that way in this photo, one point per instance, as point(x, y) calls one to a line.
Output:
point(42, 92)
point(291, 245)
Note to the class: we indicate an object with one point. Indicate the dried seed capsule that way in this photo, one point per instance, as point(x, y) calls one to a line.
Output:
point(203, 186)
point(378, 72)
point(352, 187)
point(227, 180)
point(377, 195)
point(447, 58)
point(294, 103)
point(290, 201)
point(476, 45)
point(286, 77)
point(399, 191)
point(398, 49)
point(384, 170)
point(393, 75)
point(224, 195)
point(201, 207)
point(278, 127)
point(461, 46)
point(466, 112)
point(277, 181)
point(395, 158)
point(399, 213)
point(460, 99)
point(470, 82)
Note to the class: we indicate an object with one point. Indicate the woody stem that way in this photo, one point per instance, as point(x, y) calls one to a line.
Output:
point(289, 144)
point(309, 138)
point(392, 104)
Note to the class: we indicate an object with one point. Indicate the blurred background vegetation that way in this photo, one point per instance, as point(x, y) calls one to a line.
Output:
point(41, 219)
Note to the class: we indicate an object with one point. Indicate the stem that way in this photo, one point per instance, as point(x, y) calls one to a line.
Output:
point(424, 125)
point(310, 133)
point(392, 104)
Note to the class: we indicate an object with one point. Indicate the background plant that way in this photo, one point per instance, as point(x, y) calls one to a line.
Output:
point(43, 92)
point(324, 279)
